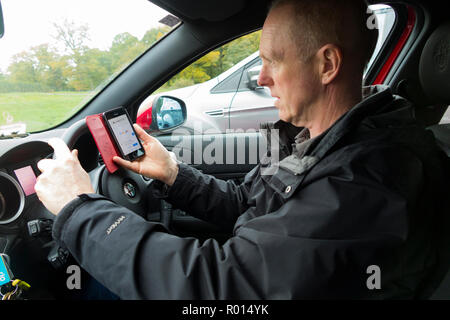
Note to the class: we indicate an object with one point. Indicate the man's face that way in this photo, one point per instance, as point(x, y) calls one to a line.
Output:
point(294, 83)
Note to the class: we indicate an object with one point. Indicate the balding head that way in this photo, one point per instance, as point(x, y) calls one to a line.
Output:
point(314, 23)
point(314, 53)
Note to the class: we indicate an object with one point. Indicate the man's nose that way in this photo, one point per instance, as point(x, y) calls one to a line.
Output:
point(264, 79)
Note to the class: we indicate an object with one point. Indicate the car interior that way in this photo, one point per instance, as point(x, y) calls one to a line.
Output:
point(414, 62)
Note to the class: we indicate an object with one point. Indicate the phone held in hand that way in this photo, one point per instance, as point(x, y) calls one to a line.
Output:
point(119, 124)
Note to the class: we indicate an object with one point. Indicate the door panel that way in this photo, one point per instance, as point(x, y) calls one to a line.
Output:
point(225, 156)
point(206, 111)
point(250, 108)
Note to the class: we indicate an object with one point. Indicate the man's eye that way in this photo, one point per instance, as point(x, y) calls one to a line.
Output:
point(268, 62)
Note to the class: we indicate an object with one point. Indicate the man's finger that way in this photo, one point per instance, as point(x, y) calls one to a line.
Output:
point(144, 136)
point(44, 164)
point(61, 149)
point(75, 153)
point(123, 163)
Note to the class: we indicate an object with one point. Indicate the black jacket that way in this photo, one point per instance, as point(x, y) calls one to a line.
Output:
point(368, 194)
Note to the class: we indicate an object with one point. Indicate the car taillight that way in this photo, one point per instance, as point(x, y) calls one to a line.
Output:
point(144, 120)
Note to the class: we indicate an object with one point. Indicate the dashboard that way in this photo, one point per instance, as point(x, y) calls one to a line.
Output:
point(19, 203)
point(18, 172)
point(35, 257)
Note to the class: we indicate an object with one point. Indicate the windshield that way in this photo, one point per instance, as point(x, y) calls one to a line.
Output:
point(56, 55)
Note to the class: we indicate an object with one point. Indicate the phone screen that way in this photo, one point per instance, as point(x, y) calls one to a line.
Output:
point(124, 133)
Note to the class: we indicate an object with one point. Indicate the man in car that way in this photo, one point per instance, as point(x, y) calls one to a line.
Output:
point(350, 206)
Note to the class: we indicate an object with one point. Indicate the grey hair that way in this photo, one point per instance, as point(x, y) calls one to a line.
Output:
point(340, 22)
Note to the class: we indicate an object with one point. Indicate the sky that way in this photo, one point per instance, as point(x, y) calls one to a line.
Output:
point(30, 22)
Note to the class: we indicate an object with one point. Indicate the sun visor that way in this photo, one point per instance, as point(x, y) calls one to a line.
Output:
point(209, 10)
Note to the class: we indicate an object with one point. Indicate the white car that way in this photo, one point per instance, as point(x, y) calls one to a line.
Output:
point(232, 100)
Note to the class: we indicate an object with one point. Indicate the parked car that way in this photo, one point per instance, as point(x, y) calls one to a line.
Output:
point(232, 100)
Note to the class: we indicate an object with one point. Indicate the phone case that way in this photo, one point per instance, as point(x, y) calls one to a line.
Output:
point(105, 143)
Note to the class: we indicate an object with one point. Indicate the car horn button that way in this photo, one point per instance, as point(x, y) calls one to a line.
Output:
point(129, 189)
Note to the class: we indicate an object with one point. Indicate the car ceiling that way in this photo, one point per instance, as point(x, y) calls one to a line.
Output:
point(220, 10)
point(202, 9)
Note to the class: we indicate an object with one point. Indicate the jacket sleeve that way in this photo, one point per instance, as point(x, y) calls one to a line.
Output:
point(289, 253)
point(205, 197)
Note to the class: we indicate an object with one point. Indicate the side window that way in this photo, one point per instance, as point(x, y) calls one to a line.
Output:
point(216, 63)
point(385, 19)
point(229, 84)
point(446, 117)
point(208, 85)
point(244, 84)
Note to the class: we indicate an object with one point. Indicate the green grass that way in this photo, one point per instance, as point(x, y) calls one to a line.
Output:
point(40, 110)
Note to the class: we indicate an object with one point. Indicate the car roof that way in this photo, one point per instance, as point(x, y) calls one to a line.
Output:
point(238, 65)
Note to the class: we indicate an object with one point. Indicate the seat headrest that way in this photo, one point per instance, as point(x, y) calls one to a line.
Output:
point(434, 68)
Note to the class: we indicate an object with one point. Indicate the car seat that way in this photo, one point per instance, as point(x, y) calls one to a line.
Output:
point(434, 75)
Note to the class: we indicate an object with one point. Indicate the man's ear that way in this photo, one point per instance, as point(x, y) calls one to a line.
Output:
point(330, 62)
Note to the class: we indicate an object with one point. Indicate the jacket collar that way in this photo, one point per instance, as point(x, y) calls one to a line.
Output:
point(379, 107)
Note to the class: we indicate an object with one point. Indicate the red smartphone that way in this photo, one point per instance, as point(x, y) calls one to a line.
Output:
point(103, 140)
point(121, 129)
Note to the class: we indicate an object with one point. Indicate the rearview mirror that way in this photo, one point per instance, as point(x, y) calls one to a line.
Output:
point(2, 25)
point(252, 77)
point(165, 114)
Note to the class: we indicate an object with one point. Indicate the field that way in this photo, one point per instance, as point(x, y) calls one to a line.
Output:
point(40, 110)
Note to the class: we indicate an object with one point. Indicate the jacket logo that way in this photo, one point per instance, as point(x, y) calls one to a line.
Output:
point(115, 224)
point(441, 55)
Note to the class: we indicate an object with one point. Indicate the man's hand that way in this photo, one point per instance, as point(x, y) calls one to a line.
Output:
point(62, 178)
point(157, 163)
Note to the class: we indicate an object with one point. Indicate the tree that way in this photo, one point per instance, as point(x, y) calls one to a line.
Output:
point(22, 68)
point(240, 48)
point(78, 67)
point(51, 68)
point(93, 67)
point(73, 37)
point(215, 62)
point(153, 35)
point(40, 68)
point(124, 49)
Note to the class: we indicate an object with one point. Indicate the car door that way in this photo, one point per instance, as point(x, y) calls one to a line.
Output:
point(224, 156)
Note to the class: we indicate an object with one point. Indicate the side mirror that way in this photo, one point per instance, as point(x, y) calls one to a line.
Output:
point(252, 77)
point(165, 114)
point(2, 25)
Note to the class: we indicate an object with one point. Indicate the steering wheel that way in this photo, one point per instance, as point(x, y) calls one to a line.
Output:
point(124, 187)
